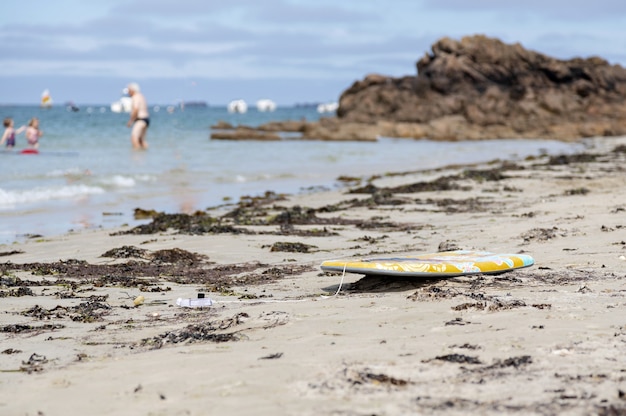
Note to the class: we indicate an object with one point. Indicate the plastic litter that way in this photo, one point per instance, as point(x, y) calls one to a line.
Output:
point(139, 300)
point(199, 302)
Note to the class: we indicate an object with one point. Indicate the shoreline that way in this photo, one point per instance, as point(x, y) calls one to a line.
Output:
point(280, 339)
point(184, 192)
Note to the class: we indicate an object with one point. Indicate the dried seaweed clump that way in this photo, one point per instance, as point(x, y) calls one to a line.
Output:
point(198, 333)
point(126, 252)
point(196, 224)
point(291, 247)
point(176, 256)
point(575, 158)
point(86, 312)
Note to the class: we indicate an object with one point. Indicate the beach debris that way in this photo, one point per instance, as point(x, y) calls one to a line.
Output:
point(467, 346)
point(174, 255)
point(295, 215)
point(512, 362)
point(374, 223)
point(470, 305)
point(288, 229)
point(457, 358)
point(208, 331)
point(443, 183)
point(457, 321)
point(125, 252)
point(24, 328)
point(9, 351)
point(448, 245)
point(577, 191)
point(144, 214)
point(366, 377)
point(575, 158)
point(291, 247)
point(34, 364)
point(480, 175)
point(154, 289)
point(141, 274)
point(505, 304)
point(139, 300)
point(272, 356)
point(20, 291)
point(540, 234)
point(272, 319)
point(196, 224)
point(199, 302)
point(89, 311)
point(454, 206)
point(434, 293)
point(10, 253)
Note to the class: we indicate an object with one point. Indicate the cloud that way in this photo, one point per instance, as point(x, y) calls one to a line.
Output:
point(563, 10)
point(293, 39)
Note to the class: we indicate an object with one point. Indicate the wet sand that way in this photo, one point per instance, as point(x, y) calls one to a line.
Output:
point(90, 323)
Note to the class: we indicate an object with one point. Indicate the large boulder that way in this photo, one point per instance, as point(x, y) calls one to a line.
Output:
point(480, 87)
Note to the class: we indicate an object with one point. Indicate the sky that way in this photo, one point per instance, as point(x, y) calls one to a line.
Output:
point(290, 51)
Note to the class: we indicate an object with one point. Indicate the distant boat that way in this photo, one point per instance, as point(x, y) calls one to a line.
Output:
point(70, 106)
point(46, 99)
point(123, 105)
point(265, 105)
point(327, 107)
point(237, 106)
point(196, 104)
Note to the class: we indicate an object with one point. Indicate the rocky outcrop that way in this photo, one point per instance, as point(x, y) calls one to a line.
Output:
point(480, 88)
point(477, 88)
point(275, 130)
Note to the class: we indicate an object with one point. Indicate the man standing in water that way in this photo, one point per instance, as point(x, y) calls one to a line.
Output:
point(139, 117)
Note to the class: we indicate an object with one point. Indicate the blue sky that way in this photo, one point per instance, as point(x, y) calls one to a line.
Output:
point(291, 51)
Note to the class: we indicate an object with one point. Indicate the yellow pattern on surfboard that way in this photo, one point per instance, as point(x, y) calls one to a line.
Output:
point(443, 264)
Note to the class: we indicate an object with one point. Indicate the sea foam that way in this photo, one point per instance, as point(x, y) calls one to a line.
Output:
point(10, 199)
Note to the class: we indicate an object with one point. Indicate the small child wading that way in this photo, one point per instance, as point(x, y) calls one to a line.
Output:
point(33, 133)
point(8, 136)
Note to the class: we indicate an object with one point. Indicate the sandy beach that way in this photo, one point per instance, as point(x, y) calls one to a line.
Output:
point(90, 323)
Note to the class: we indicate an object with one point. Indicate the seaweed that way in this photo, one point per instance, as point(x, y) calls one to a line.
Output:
point(291, 247)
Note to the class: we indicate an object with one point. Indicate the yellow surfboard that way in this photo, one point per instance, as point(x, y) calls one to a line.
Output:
point(442, 264)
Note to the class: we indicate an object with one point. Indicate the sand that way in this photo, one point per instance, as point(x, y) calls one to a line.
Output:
point(280, 338)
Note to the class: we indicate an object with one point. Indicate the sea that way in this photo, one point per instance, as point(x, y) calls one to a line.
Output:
point(87, 176)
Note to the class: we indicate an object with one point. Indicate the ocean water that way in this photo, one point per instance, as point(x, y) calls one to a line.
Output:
point(87, 176)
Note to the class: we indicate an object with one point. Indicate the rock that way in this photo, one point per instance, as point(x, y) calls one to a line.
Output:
point(269, 132)
point(222, 125)
point(284, 126)
point(482, 88)
point(334, 129)
point(244, 133)
point(472, 89)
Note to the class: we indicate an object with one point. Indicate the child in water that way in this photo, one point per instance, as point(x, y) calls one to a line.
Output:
point(9, 133)
point(33, 133)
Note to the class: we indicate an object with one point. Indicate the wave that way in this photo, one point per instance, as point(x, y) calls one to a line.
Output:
point(119, 181)
point(10, 199)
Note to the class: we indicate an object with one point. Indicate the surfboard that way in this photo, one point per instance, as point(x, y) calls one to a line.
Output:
point(442, 264)
point(29, 152)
